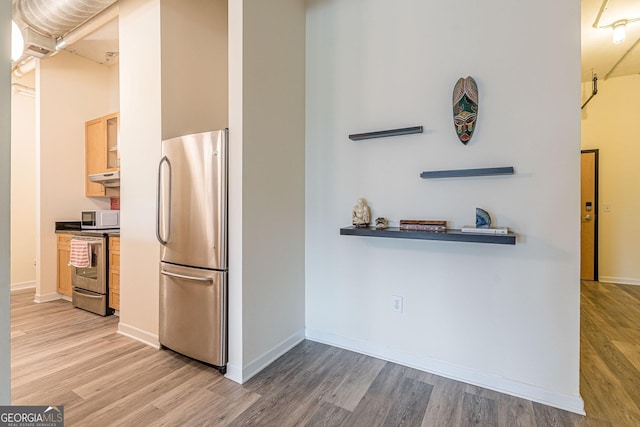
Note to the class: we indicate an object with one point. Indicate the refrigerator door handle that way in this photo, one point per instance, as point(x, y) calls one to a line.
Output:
point(182, 276)
point(159, 199)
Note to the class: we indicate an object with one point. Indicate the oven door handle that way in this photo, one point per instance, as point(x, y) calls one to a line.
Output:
point(89, 242)
point(182, 276)
point(86, 294)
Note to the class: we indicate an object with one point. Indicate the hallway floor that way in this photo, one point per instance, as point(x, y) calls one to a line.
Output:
point(65, 356)
point(610, 352)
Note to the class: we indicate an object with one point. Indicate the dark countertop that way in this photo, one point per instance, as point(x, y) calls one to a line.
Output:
point(68, 225)
point(73, 227)
point(95, 233)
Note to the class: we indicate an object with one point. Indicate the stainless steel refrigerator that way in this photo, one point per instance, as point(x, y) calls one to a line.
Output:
point(191, 227)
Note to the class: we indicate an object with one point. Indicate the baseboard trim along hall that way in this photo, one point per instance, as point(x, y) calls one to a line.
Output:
point(459, 373)
point(23, 285)
point(139, 335)
point(54, 296)
point(619, 280)
point(266, 359)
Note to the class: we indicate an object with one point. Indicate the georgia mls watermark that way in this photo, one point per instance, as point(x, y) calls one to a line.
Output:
point(31, 416)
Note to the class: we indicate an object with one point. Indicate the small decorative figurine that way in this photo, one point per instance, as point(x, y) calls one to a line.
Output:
point(381, 223)
point(361, 215)
point(483, 220)
point(465, 108)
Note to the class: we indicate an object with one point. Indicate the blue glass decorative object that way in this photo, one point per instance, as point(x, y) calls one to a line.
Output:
point(483, 220)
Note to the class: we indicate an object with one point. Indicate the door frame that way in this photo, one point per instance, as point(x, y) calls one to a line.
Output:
point(596, 208)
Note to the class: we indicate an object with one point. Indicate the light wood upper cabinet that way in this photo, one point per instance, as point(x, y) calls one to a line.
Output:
point(64, 269)
point(101, 151)
point(114, 273)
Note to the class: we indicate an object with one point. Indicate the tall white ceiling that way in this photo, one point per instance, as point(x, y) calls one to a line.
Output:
point(599, 54)
point(101, 46)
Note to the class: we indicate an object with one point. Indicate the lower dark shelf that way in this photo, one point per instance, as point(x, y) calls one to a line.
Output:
point(452, 235)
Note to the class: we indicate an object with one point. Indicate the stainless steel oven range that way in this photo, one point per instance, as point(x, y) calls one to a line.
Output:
point(90, 284)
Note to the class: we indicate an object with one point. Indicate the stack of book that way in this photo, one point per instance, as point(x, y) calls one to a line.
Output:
point(489, 230)
point(423, 225)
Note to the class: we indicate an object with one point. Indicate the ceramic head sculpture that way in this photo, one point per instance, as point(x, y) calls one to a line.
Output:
point(465, 108)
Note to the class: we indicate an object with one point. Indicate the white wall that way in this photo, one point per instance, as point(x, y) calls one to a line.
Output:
point(114, 88)
point(70, 90)
point(194, 66)
point(140, 136)
point(503, 317)
point(266, 217)
point(5, 203)
point(23, 185)
point(607, 125)
point(235, 344)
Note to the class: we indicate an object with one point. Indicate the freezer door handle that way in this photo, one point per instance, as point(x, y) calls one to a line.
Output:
point(182, 276)
point(160, 199)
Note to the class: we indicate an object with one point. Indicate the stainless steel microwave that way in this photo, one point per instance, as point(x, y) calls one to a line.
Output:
point(100, 219)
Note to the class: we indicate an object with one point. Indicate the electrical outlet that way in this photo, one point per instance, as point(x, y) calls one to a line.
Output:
point(396, 303)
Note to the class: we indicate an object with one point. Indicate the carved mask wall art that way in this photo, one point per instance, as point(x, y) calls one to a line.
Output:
point(465, 108)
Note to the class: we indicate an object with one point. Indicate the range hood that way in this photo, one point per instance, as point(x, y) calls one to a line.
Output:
point(107, 179)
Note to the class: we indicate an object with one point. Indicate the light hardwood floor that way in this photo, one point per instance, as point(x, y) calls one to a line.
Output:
point(610, 352)
point(65, 356)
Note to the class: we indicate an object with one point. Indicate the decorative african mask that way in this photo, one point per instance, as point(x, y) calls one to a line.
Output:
point(465, 108)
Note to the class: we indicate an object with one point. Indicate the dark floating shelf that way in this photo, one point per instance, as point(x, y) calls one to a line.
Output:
point(456, 173)
point(384, 133)
point(452, 235)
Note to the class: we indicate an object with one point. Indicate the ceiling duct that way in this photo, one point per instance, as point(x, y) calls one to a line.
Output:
point(58, 17)
point(35, 44)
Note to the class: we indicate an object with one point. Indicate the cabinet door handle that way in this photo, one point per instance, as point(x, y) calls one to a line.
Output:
point(160, 199)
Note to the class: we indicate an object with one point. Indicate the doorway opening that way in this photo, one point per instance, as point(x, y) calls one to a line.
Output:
point(589, 215)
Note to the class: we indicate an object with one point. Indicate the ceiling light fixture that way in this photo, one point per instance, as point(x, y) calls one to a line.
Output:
point(619, 27)
point(619, 31)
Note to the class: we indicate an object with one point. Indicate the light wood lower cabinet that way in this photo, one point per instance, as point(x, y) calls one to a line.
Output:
point(114, 273)
point(64, 269)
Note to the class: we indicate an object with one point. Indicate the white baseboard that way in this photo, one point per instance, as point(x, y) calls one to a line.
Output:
point(139, 335)
point(619, 280)
point(459, 373)
point(54, 296)
point(65, 297)
point(31, 284)
point(234, 373)
point(258, 364)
